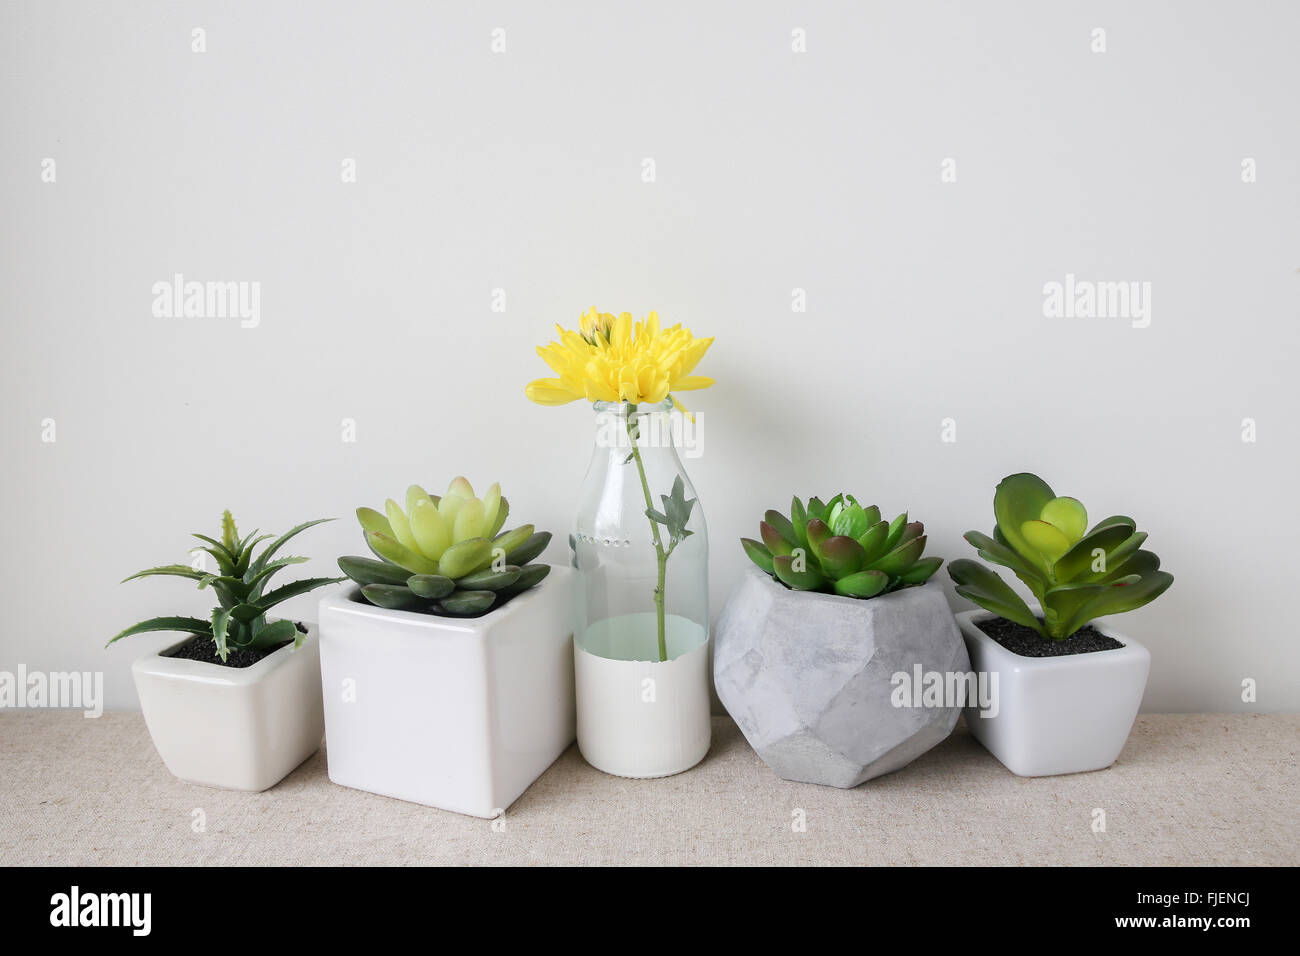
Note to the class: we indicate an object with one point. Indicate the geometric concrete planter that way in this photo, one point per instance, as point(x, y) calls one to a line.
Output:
point(462, 714)
point(1056, 715)
point(816, 681)
point(237, 728)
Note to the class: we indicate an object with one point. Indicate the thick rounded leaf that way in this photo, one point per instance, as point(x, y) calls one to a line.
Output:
point(1079, 561)
point(372, 520)
point(1142, 563)
point(515, 538)
point(470, 521)
point(468, 603)
point(782, 525)
point(873, 542)
point(841, 556)
point(996, 552)
point(431, 531)
point(913, 529)
point(758, 553)
point(920, 572)
point(1068, 515)
point(1020, 498)
point(395, 597)
point(977, 583)
point(1045, 539)
point(370, 571)
point(463, 557)
point(863, 584)
point(449, 507)
point(490, 580)
point(431, 586)
point(530, 576)
point(491, 507)
point(414, 495)
point(1118, 598)
point(460, 488)
point(803, 579)
point(1114, 519)
point(851, 522)
point(530, 549)
point(401, 527)
point(496, 524)
point(901, 558)
point(816, 508)
point(775, 541)
point(392, 550)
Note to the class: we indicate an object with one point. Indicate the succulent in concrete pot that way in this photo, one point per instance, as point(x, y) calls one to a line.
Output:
point(841, 547)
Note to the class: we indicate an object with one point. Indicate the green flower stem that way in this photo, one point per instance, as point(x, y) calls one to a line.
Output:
point(661, 556)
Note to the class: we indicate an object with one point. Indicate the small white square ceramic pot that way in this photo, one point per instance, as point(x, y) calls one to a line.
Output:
point(237, 728)
point(1055, 715)
point(457, 713)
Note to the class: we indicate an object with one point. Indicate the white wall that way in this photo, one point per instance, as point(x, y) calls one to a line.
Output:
point(775, 170)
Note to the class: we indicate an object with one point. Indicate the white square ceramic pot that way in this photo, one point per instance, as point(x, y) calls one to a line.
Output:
point(1055, 715)
point(457, 713)
point(237, 728)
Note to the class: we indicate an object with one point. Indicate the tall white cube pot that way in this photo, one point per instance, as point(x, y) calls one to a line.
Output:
point(237, 728)
point(1055, 715)
point(462, 714)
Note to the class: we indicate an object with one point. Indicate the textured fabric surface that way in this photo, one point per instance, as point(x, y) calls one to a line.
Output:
point(1188, 789)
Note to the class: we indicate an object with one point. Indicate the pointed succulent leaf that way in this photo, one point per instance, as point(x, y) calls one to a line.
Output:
point(841, 556)
point(851, 522)
point(977, 583)
point(370, 571)
point(920, 572)
point(818, 531)
point(895, 562)
point(460, 488)
point(1078, 561)
point(1114, 519)
point(178, 570)
point(401, 525)
point(775, 541)
point(530, 576)
point(801, 580)
point(782, 525)
point(508, 541)
point(913, 529)
point(277, 632)
point(432, 534)
point(463, 557)
point(225, 560)
point(530, 549)
point(1141, 563)
point(799, 521)
point(393, 550)
point(431, 586)
point(758, 553)
point(469, 521)
point(372, 520)
point(395, 597)
point(1118, 598)
point(863, 584)
point(873, 541)
point(997, 552)
point(896, 528)
point(499, 522)
point(293, 589)
point(491, 505)
point(185, 625)
point(229, 534)
point(816, 508)
point(279, 542)
point(221, 624)
point(414, 495)
point(449, 507)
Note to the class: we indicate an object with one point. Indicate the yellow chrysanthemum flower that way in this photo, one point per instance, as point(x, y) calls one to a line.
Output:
point(611, 360)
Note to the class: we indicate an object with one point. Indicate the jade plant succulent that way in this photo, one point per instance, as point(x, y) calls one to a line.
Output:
point(446, 554)
point(841, 547)
point(239, 621)
point(1076, 574)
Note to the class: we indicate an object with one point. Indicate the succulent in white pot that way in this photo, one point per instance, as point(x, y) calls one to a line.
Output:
point(447, 665)
point(1049, 657)
point(237, 703)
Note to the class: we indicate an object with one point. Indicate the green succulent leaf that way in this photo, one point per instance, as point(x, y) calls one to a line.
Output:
point(873, 541)
point(275, 633)
point(801, 580)
point(431, 586)
point(920, 572)
point(816, 508)
point(1077, 562)
point(394, 597)
point(176, 570)
point(293, 589)
point(225, 560)
point(758, 553)
point(390, 549)
point(841, 555)
point(977, 583)
point(776, 543)
point(1046, 540)
point(490, 580)
point(530, 575)
point(896, 529)
point(818, 531)
point(468, 555)
point(530, 549)
point(850, 522)
point(901, 558)
point(862, 584)
point(185, 625)
point(1119, 598)
point(799, 521)
point(229, 534)
point(466, 603)
point(372, 520)
point(1068, 515)
point(1018, 499)
point(370, 571)
point(221, 622)
point(510, 540)
point(278, 543)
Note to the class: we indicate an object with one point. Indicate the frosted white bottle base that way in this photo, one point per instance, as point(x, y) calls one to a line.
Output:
point(642, 718)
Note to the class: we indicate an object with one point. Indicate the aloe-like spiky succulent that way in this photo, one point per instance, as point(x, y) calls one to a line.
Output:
point(239, 622)
point(841, 547)
point(1075, 575)
point(446, 554)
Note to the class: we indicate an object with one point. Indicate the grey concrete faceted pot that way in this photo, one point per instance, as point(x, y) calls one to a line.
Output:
point(809, 677)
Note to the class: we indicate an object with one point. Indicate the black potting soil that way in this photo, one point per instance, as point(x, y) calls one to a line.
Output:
point(1027, 642)
point(201, 648)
